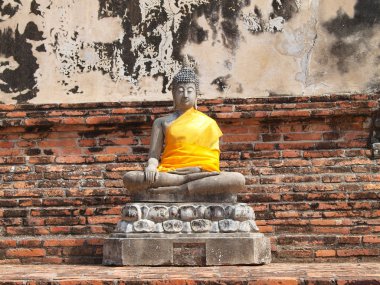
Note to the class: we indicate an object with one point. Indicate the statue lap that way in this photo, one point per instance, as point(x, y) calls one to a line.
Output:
point(201, 184)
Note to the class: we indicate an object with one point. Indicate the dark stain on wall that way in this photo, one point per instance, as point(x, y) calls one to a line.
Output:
point(7, 10)
point(41, 48)
point(221, 15)
point(189, 30)
point(75, 90)
point(35, 8)
point(367, 14)
point(286, 9)
point(223, 83)
point(21, 79)
point(196, 33)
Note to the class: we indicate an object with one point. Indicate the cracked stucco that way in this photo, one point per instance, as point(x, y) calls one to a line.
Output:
point(89, 51)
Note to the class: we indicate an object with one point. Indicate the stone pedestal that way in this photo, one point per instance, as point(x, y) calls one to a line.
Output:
point(186, 249)
point(196, 234)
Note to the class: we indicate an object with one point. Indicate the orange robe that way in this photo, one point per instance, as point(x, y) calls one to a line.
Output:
point(192, 140)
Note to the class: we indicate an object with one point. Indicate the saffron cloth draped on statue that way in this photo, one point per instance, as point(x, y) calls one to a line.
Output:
point(192, 140)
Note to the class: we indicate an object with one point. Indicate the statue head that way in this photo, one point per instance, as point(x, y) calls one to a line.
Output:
point(185, 87)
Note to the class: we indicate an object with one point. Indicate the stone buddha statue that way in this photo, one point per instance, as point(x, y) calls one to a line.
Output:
point(182, 200)
point(189, 166)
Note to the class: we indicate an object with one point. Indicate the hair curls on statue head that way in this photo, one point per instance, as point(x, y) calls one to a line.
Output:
point(186, 75)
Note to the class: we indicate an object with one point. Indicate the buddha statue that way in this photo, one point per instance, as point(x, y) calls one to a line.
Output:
point(189, 166)
point(182, 198)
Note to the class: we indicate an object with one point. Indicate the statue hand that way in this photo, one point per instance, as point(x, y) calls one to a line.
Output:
point(151, 173)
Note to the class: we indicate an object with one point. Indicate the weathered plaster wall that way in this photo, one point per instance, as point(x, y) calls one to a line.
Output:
point(119, 50)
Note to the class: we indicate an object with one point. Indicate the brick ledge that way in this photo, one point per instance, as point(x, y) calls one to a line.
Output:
point(272, 274)
point(91, 114)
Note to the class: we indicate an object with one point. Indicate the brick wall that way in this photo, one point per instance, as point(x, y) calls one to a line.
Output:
point(310, 174)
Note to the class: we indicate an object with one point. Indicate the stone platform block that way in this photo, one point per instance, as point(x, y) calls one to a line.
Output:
point(154, 249)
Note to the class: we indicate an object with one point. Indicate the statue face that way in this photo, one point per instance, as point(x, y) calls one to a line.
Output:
point(184, 96)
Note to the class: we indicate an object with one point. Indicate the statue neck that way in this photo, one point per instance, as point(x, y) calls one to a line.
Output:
point(179, 112)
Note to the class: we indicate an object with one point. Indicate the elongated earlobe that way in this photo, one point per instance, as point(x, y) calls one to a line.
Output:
point(195, 105)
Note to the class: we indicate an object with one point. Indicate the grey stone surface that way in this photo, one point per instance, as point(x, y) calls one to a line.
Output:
point(158, 213)
point(159, 228)
point(144, 226)
point(201, 225)
point(173, 212)
point(181, 197)
point(186, 228)
point(187, 213)
point(231, 217)
point(187, 234)
point(248, 226)
point(242, 213)
point(124, 227)
point(172, 226)
point(201, 211)
point(214, 227)
point(144, 212)
point(137, 251)
point(131, 213)
point(182, 249)
point(228, 226)
point(214, 213)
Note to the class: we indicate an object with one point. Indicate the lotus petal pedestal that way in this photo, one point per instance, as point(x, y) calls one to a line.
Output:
point(186, 234)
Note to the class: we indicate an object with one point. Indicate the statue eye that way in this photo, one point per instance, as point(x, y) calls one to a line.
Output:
point(181, 89)
point(190, 89)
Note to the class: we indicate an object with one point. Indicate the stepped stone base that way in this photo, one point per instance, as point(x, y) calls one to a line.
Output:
point(186, 234)
point(154, 249)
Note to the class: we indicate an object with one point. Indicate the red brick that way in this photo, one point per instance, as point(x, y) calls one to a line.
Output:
point(323, 153)
point(25, 252)
point(70, 159)
point(29, 243)
point(95, 241)
point(325, 253)
point(331, 230)
point(289, 214)
point(371, 239)
point(103, 220)
point(233, 115)
point(73, 121)
point(296, 253)
point(127, 110)
point(303, 137)
point(291, 153)
point(358, 252)
point(294, 113)
point(240, 138)
point(68, 113)
point(42, 121)
point(7, 243)
point(105, 120)
point(266, 229)
point(64, 242)
point(265, 146)
point(283, 281)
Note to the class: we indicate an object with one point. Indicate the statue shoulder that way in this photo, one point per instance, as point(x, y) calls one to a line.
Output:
point(164, 122)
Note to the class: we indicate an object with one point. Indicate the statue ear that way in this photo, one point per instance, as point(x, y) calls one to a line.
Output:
point(195, 104)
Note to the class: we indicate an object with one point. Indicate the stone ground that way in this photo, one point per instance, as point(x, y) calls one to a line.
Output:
point(273, 274)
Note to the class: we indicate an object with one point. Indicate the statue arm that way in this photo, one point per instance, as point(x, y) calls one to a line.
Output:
point(156, 144)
